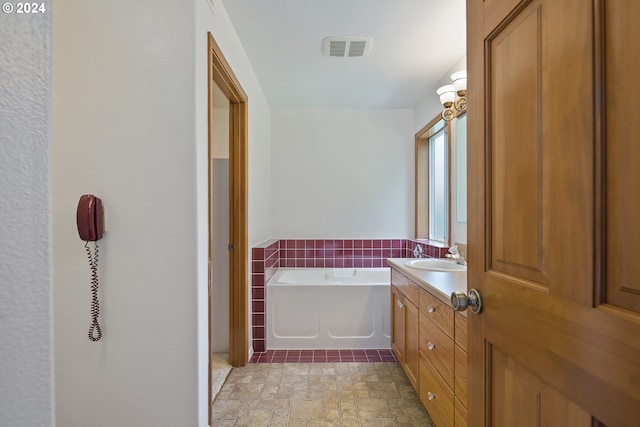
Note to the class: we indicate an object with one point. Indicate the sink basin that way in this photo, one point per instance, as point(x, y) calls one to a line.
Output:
point(435, 264)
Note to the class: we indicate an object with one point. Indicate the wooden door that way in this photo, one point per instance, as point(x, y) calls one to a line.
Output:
point(554, 224)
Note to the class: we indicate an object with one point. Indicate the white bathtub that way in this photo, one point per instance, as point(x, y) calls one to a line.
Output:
point(342, 308)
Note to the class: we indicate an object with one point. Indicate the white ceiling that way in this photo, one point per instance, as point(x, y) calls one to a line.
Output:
point(415, 42)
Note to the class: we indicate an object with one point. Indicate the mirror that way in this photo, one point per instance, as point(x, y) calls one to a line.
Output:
point(461, 168)
point(441, 181)
point(432, 181)
point(438, 185)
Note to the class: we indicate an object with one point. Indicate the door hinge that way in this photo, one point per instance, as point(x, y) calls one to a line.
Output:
point(230, 246)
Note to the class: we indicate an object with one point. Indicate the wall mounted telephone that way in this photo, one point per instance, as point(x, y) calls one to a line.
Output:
point(90, 221)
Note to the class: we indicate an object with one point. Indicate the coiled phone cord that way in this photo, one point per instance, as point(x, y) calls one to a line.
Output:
point(95, 305)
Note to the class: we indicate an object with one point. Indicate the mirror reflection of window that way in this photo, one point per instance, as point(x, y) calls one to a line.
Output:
point(461, 169)
point(438, 186)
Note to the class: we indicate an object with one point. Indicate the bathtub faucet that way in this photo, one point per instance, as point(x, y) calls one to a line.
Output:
point(417, 252)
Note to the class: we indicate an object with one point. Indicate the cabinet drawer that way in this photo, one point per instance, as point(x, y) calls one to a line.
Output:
point(406, 286)
point(461, 330)
point(438, 348)
point(436, 396)
point(461, 374)
point(460, 414)
point(438, 312)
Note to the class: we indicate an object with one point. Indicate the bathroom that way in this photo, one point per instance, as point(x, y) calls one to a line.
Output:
point(343, 177)
point(116, 98)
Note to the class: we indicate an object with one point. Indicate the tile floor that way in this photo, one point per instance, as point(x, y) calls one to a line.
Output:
point(318, 395)
point(322, 356)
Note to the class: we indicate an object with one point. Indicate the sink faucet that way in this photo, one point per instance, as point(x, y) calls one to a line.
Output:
point(458, 257)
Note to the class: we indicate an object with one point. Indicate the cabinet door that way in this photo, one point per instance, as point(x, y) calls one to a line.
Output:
point(397, 324)
point(411, 355)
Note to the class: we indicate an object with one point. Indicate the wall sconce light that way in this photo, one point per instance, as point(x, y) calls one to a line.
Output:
point(454, 97)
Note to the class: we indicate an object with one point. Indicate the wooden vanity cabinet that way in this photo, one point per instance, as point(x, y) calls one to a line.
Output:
point(430, 340)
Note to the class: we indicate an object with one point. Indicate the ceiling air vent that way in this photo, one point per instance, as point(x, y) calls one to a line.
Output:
point(345, 47)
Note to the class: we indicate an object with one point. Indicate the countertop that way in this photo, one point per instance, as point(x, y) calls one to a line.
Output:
point(440, 284)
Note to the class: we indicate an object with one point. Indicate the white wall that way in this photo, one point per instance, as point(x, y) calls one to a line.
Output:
point(123, 129)
point(130, 125)
point(26, 275)
point(342, 173)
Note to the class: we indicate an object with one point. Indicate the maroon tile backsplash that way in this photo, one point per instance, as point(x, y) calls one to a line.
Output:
point(271, 255)
point(323, 356)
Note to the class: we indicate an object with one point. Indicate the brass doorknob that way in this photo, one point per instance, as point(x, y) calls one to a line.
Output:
point(460, 301)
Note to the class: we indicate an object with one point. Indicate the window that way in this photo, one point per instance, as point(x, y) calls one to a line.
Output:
point(438, 186)
point(432, 181)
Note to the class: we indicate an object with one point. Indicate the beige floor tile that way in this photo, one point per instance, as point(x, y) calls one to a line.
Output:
point(306, 409)
point(226, 409)
point(323, 423)
point(381, 422)
point(254, 418)
point(282, 404)
point(372, 408)
point(280, 417)
point(245, 391)
point(331, 409)
point(319, 395)
point(382, 390)
point(348, 409)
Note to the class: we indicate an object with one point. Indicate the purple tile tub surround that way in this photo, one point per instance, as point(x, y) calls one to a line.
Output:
point(269, 256)
point(323, 356)
point(265, 261)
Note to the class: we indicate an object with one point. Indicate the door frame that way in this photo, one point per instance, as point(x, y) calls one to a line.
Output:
point(220, 74)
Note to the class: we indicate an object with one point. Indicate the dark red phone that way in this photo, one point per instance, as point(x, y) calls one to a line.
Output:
point(90, 218)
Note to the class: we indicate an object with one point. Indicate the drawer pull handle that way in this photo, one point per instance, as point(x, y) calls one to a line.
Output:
point(431, 309)
point(430, 396)
point(400, 304)
point(430, 345)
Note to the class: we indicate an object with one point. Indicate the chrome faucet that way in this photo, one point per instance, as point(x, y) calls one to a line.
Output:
point(456, 256)
point(417, 252)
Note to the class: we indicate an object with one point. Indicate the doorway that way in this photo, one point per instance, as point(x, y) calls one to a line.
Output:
point(227, 167)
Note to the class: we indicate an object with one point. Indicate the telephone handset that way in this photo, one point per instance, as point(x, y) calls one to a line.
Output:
point(90, 218)
point(90, 222)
